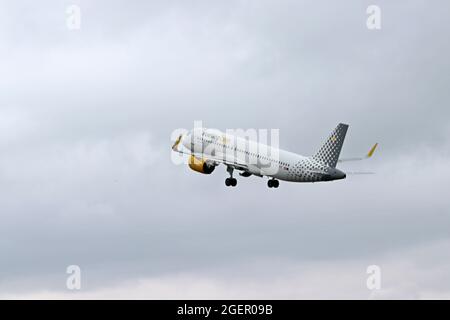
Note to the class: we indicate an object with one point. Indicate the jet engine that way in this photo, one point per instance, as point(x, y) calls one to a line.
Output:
point(201, 165)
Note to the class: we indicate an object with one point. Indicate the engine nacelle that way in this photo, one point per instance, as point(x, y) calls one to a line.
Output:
point(201, 165)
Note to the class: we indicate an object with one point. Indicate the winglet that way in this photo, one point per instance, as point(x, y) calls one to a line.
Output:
point(177, 142)
point(372, 150)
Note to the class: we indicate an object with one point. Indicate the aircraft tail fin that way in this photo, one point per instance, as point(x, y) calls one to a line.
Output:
point(329, 152)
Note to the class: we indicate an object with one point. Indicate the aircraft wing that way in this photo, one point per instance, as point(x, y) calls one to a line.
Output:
point(227, 160)
point(367, 156)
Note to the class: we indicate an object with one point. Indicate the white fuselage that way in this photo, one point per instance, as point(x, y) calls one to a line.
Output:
point(257, 158)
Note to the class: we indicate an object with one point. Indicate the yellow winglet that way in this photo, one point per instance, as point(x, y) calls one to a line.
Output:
point(175, 145)
point(372, 150)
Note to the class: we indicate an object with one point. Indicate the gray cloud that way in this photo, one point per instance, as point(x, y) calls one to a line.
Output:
point(85, 121)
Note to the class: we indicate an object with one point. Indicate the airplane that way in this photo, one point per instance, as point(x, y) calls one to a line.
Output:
point(208, 148)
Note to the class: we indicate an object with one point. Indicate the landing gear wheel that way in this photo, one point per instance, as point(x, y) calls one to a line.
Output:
point(230, 181)
point(272, 183)
point(276, 183)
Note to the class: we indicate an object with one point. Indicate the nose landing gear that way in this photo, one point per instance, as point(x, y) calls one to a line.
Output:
point(272, 183)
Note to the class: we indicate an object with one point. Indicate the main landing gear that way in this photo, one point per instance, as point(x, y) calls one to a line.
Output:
point(230, 181)
point(272, 183)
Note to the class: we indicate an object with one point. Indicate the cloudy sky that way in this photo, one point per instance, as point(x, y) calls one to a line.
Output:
point(86, 176)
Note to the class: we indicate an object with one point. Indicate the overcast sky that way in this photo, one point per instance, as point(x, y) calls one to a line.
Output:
point(86, 176)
